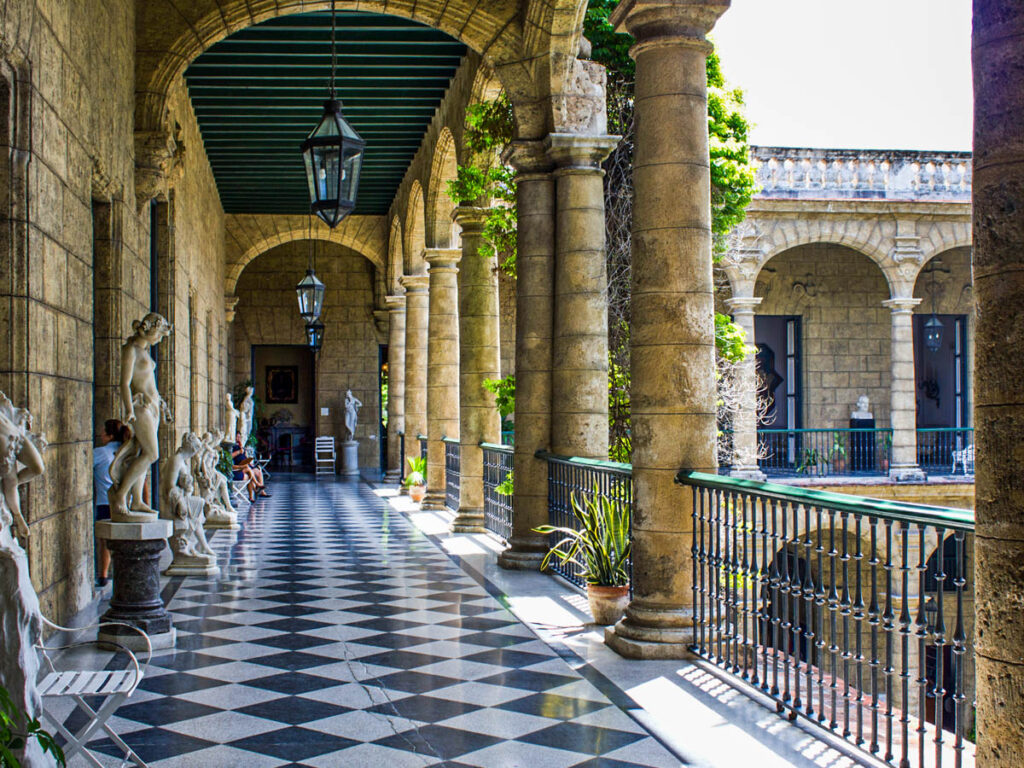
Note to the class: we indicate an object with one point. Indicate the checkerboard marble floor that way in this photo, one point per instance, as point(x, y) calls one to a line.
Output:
point(339, 635)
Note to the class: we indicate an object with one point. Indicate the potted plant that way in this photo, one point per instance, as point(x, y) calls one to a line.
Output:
point(601, 548)
point(416, 480)
point(886, 450)
point(838, 452)
point(810, 462)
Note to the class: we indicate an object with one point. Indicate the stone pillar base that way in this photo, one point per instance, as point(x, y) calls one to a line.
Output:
point(631, 648)
point(350, 458)
point(907, 474)
point(192, 566)
point(524, 554)
point(135, 552)
point(393, 476)
point(469, 521)
point(134, 642)
point(652, 633)
point(749, 473)
point(434, 502)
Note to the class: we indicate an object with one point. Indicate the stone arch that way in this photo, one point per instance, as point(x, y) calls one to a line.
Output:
point(942, 237)
point(955, 289)
point(354, 238)
point(415, 232)
point(396, 260)
point(172, 35)
point(440, 229)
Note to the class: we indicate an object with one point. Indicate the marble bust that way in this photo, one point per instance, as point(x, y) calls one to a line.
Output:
point(143, 407)
point(352, 406)
point(863, 409)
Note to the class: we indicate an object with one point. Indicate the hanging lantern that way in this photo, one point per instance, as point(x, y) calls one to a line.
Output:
point(315, 335)
point(333, 154)
point(933, 334)
point(311, 296)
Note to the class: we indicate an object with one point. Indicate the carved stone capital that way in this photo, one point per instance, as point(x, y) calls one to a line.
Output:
point(439, 258)
point(527, 157)
point(667, 22)
point(901, 304)
point(157, 154)
point(230, 304)
point(743, 304)
point(907, 255)
point(395, 302)
point(471, 218)
point(414, 283)
point(573, 151)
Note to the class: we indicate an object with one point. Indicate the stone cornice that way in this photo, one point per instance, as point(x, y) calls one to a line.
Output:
point(395, 302)
point(808, 207)
point(414, 283)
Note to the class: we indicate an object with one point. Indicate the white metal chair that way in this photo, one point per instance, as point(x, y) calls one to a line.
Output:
point(964, 458)
point(114, 685)
point(325, 456)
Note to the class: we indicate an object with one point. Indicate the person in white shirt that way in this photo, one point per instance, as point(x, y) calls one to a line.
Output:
point(114, 434)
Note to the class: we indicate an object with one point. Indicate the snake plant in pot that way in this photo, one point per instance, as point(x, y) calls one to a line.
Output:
point(600, 546)
point(416, 481)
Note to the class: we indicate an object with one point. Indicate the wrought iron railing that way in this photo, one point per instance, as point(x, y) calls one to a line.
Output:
point(824, 452)
point(508, 437)
point(571, 476)
point(401, 456)
point(452, 472)
point(423, 445)
point(848, 612)
point(946, 450)
point(498, 489)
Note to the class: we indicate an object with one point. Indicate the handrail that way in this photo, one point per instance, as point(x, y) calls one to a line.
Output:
point(497, 447)
point(945, 429)
point(422, 437)
point(451, 440)
point(613, 466)
point(945, 517)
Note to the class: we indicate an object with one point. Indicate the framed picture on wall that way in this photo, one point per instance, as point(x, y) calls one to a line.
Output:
point(283, 384)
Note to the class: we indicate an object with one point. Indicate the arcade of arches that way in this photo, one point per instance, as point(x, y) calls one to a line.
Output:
point(124, 194)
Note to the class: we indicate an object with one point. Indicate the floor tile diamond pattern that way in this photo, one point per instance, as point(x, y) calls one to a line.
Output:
point(339, 635)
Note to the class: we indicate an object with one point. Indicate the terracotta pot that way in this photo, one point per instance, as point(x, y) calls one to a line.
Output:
point(417, 492)
point(607, 604)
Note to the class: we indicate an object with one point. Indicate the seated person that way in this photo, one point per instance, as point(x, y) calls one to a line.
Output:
point(245, 469)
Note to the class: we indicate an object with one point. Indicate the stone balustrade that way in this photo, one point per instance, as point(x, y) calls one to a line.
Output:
point(862, 174)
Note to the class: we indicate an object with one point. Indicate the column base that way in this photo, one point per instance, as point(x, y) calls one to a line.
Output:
point(469, 521)
point(749, 473)
point(652, 633)
point(393, 476)
point(192, 567)
point(134, 642)
point(910, 473)
point(523, 555)
point(434, 502)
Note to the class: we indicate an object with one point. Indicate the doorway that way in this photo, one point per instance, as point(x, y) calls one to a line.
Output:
point(285, 390)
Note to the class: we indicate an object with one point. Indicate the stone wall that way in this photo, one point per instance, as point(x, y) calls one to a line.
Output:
point(267, 313)
point(75, 271)
point(845, 330)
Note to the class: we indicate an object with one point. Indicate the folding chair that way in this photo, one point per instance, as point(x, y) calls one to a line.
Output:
point(324, 456)
point(114, 685)
point(238, 490)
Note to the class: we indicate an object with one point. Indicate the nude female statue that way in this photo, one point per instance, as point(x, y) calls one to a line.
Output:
point(231, 415)
point(20, 617)
point(352, 406)
point(247, 410)
point(143, 405)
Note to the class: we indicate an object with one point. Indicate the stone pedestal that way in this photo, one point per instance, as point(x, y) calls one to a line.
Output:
point(350, 458)
point(479, 359)
point(185, 565)
point(442, 368)
point(744, 426)
point(673, 336)
point(135, 550)
point(535, 263)
point(903, 467)
point(396, 386)
point(219, 519)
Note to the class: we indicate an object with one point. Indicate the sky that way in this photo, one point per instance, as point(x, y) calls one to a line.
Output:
point(867, 74)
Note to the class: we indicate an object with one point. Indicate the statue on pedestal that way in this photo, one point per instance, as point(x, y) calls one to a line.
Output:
point(352, 406)
point(143, 406)
point(20, 617)
point(863, 409)
point(231, 415)
point(187, 511)
point(213, 486)
point(248, 411)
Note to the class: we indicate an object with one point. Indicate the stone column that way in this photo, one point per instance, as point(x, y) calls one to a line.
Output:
point(535, 266)
point(396, 385)
point(903, 466)
point(673, 336)
point(998, 54)
point(744, 425)
point(416, 314)
point(579, 406)
point(442, 367)
point(479, 359)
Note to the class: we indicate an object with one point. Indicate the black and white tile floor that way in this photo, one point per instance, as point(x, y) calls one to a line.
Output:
point(340, 635)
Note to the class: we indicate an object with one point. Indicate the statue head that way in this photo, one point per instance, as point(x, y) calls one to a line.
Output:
point(152, 328)
point(228, 400)
point(863, 404)
point(190, 444)
point(249, 391)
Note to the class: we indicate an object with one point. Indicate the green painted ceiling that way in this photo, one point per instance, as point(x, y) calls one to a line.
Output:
point(258, 93)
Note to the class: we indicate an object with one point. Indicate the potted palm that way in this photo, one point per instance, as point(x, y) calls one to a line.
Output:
point(416, 480)
point(600, 546)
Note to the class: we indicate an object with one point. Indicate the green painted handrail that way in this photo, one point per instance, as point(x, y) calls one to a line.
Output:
point(421, 437)
point(450, 440)
point(945, 429)
point(614, 466)
point(499, 448)
point(943, 517)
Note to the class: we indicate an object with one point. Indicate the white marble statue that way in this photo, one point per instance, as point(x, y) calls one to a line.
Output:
point(352, 406)
point(143, 406)
point(248, 411)
point(231, 415)
point(863, 409)
point(187, 511)
point(213, 486)
point(20, 618)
